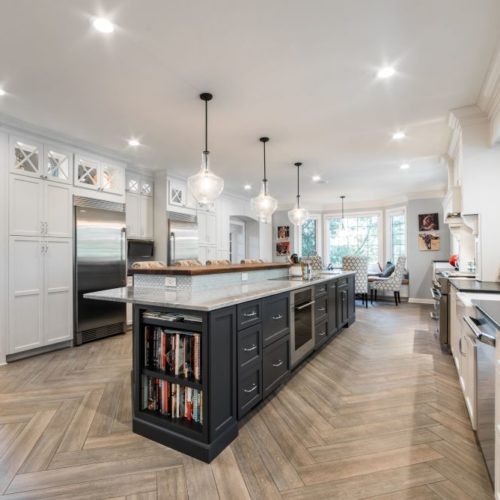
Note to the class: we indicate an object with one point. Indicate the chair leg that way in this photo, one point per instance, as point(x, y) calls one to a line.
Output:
point(396, 298)
point(399, 297)
point(366, 300)
point(376, 294)
point(371, 295)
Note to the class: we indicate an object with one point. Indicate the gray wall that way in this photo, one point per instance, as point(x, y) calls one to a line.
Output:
point(280, 218)
point(419, 263)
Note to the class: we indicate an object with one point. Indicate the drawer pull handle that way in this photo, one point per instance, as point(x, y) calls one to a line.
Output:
point(253, 388)
point(322, 309)
point(279, 363)
point(250, 349)
point(278, 317)
point(250, 315)
point(322, 334)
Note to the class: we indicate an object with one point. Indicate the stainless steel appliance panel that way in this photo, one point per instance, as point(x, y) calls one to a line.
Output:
point(100, 263)
point(301, 324)
point(183, 240)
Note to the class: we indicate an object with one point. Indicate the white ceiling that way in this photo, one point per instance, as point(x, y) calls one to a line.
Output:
point(302, 72)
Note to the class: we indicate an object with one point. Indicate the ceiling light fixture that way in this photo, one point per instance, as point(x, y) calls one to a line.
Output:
point(397, 136)
point(316, 178)
point(247, 187)
point(298, 215)
point(386, 72)
point(405, 166)
point(134, 142)
point(264, 205)
point(205, 186)
point(2, 92)
point(103, 25)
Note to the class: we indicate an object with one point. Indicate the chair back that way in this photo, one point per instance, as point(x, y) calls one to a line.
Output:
point(396, 278)
point(358, 264)
point(316, 262)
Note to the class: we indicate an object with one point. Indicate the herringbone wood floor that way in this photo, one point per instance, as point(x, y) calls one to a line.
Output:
point(377, 414)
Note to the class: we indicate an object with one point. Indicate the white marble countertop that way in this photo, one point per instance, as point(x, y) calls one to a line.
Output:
point(208, 300)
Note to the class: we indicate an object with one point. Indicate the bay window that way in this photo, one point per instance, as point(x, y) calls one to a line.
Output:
point(396, 233)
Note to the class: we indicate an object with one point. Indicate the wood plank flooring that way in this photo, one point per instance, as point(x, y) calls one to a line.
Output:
point(377, 414)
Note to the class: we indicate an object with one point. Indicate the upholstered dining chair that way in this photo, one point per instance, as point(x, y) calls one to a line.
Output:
point(360, 266)
point(392, 283)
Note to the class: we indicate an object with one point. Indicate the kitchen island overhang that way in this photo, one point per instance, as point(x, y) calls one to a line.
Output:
point(231, 350)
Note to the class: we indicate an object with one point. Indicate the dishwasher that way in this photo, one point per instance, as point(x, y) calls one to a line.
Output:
point(301, 324)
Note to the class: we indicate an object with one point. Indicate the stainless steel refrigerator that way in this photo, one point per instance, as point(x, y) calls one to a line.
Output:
point(100, 264)
point(182, 233)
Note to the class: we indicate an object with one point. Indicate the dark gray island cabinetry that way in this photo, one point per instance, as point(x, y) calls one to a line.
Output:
point(198, 369)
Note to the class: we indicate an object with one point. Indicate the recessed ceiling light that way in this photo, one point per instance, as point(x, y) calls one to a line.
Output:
point(316, 178)
point(247, 187)
point(2, 92)
point(386, 72)
point(405, 166)
point(103, 25)
point(134, 142)
point(397, 136)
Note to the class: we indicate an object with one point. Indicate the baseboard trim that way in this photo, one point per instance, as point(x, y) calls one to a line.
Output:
point(415, 300)
point(39, 350)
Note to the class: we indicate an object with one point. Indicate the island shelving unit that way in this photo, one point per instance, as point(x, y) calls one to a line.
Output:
point(243, 336)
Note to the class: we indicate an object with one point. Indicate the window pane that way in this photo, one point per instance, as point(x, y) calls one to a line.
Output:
point(359, 238)
point(398, 236)
point(309, 244)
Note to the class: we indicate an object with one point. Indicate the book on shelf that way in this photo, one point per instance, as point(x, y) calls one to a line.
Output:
point(172, 400)
point(172, 316)
point(173, 352)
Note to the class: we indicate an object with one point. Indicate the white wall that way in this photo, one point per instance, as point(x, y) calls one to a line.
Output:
point(4, 243)
point(419, 263)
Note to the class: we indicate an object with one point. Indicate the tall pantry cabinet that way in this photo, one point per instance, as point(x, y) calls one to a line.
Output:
point(40, 244)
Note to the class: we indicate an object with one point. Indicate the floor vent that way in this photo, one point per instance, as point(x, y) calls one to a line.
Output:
point(100, 333)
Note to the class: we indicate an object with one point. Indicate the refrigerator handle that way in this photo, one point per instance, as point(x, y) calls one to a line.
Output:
point(123, 245)
point(172, 247)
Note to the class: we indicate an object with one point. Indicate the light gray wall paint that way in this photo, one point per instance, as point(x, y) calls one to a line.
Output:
point(420, 262)
point(280, 218)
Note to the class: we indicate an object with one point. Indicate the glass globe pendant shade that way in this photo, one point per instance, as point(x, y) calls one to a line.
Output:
point(264, 205)
point(298, 216)
point(205, 186)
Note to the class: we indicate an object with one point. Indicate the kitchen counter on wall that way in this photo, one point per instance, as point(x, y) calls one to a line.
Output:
point(216, 269)
point(210, 299)
point(468, 285)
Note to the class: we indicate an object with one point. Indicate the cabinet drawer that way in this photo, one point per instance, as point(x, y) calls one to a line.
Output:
point(320, 289)
point(249, 388)
point(275, 314)
point(320, 308)
point(249, 313)
point(321, 333)
point(342, 281)
point(249, 345)
point(276, 364)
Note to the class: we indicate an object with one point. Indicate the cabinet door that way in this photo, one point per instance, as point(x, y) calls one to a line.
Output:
point(26, 157)
point(112, 178)
point(58, 164)
point(25, 206)
point(177, 191)
point(146, 186)
point(133, 215)
point(58, 290)
point(351, 299)
point(211, 252)
point(210, 229)
point(332, 307)
point(202, 253)
point(147, 217)
point(469, 376)
point(25, 293)
point(87, 172)
point(58, 210)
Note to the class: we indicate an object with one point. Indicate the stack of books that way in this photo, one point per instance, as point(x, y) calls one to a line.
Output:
point(172, 400)
point(172, 352)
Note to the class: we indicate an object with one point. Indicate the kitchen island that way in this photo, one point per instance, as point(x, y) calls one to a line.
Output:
point(204, 357)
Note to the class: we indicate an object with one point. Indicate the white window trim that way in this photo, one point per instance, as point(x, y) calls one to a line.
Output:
point(297, 236)
point(388, 230)
point(381, 223)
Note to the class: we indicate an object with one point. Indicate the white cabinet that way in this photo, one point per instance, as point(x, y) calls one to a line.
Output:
point(40, 292)
point(39, 208)
point(207, 228)
point(99, 175)
point(139, 206)
point(207, 252)
point(468, 375)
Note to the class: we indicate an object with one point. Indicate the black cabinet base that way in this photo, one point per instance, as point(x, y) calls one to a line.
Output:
point(197, 449)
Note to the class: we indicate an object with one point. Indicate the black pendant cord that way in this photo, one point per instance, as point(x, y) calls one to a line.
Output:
point(206, 126)
point(206, 97)
point(264, 180)
point(298, 164)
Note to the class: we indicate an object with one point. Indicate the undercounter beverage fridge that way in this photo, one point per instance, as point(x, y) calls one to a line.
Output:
point(100, 264)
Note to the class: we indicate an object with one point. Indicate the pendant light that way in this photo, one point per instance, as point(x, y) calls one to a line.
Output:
point(264, 205)
point(298, 215)
point(205, 186)
point(343, 233)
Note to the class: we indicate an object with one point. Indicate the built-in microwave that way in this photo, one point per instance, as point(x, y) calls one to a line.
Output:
point(140, 249)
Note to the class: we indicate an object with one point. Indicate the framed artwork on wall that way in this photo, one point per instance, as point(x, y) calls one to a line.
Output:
point(282, 248)
point(428, 222)
point(283, 232)
point(429, 242)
